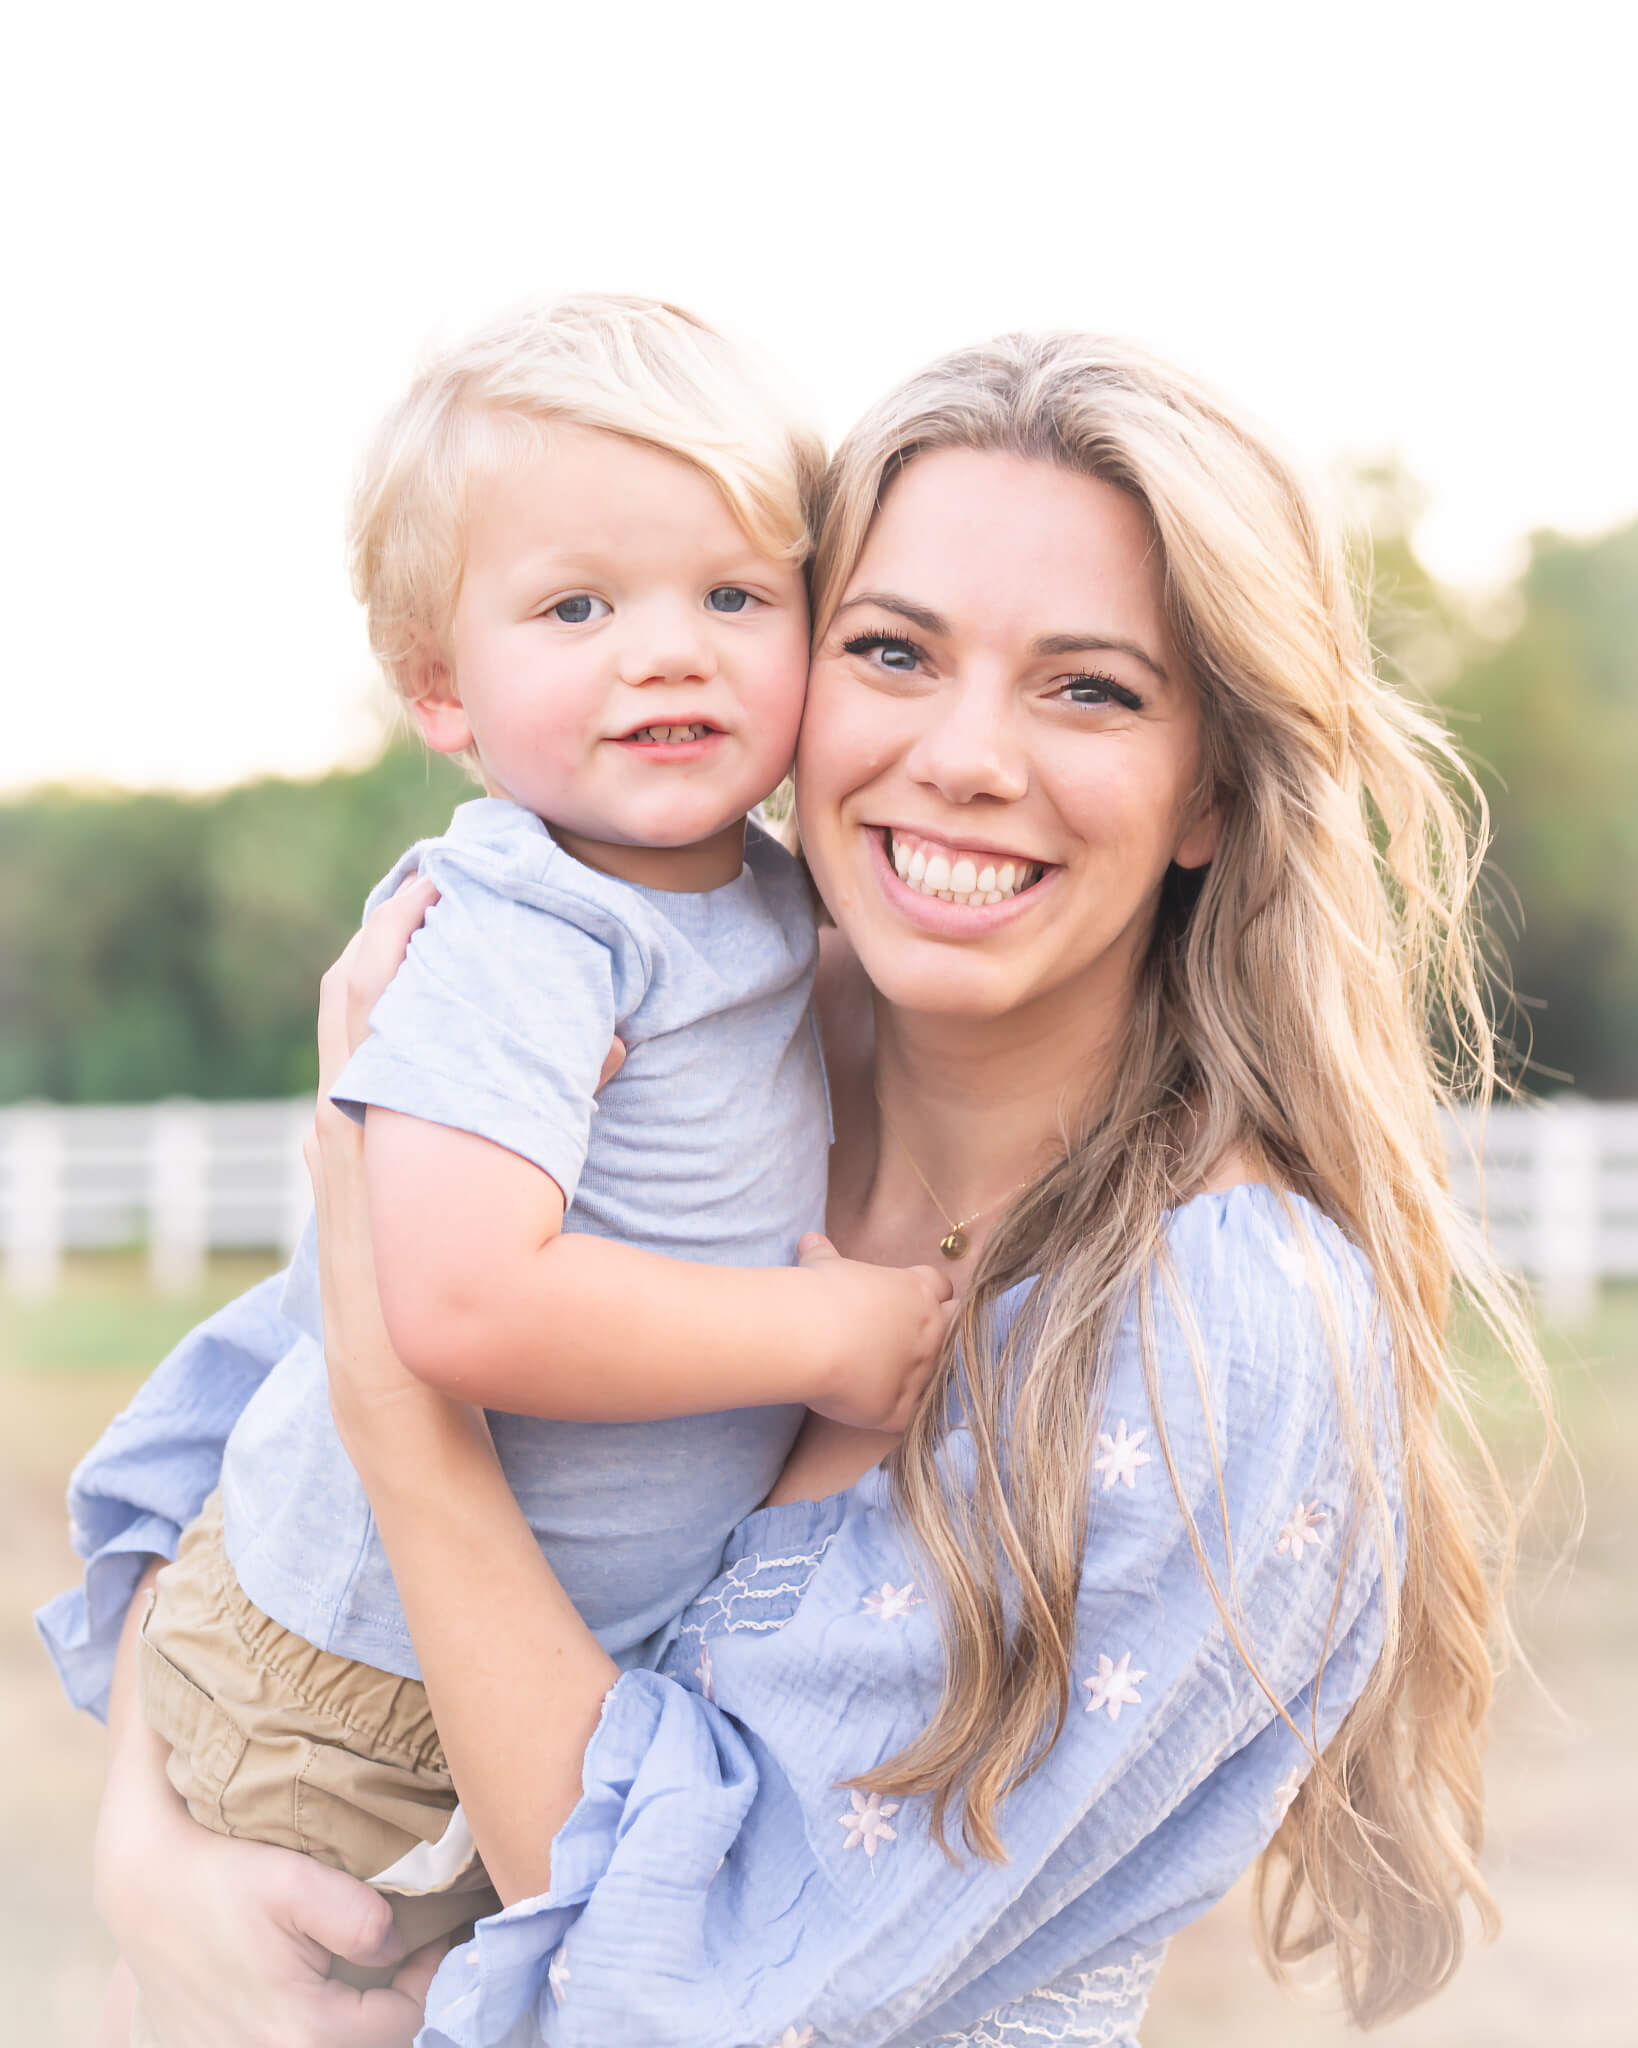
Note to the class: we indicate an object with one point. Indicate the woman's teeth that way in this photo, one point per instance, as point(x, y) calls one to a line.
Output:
point(667, 735)
point(969, 878)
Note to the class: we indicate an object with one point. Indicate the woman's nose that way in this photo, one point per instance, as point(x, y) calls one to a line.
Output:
point(969, 748)
point(666, 643)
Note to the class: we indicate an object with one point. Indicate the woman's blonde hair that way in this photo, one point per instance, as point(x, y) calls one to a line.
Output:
point(1312, 1000)
point(629, 366)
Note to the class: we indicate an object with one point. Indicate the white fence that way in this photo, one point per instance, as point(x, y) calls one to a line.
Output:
point(184, 1178)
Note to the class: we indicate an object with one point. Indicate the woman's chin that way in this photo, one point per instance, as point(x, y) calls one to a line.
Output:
point(941, 981)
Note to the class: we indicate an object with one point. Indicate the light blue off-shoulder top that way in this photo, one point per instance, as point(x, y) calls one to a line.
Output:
point(716, 1887)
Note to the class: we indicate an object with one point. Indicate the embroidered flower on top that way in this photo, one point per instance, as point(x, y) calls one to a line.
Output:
point(1119, 1457)
point(866, 1823)
point(1113, 1686)
point(893, 1603)
point(702, 1673)
point(557, 1975)
point(1300, 1530)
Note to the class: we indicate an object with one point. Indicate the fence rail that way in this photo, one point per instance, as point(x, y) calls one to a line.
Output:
point(183, 1178)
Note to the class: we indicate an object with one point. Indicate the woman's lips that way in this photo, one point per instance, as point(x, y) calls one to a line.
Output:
point(943, 914)
point(958, 874)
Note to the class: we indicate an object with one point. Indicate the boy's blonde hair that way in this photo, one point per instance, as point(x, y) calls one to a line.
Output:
point(628, 366)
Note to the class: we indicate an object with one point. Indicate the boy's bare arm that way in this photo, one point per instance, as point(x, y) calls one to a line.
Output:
point(487, 1297)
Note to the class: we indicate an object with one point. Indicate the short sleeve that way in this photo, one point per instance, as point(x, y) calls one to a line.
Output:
point(148, 1475)
point(721, 1885)
point(500, 1018)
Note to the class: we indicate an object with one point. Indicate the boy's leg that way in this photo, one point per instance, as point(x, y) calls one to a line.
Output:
point(277, 1741)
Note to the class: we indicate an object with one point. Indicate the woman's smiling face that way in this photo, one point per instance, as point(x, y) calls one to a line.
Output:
point(1000, 756)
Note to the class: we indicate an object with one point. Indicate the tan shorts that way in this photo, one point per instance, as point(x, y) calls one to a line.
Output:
point(276, 1741)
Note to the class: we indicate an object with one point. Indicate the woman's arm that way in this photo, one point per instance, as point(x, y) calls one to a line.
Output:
point(515, 1679)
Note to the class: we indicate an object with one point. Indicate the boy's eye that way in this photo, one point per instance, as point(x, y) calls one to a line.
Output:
point(729, 598)
point(576, 611)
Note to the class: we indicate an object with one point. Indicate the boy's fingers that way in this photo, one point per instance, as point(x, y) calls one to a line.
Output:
point(613, 1062)
point(942, 1281)
point(814, 1249)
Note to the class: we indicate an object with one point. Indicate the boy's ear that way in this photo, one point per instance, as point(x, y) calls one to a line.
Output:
point(425, 679)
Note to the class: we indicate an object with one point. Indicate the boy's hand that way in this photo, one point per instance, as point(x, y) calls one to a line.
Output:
point(879, 1329)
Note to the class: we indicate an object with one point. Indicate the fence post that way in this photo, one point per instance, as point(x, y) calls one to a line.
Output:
point(34, 1232)
point(298, 1189)
point(1566, 1203)
point(178, 1196)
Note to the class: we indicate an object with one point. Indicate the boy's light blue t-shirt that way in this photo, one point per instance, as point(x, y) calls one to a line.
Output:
point(709, 1145)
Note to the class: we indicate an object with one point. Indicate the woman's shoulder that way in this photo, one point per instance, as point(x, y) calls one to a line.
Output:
point(1265, 1305)
point(1253, 1235)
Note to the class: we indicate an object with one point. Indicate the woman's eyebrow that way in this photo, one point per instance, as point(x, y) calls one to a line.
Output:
point(1098, 643)
point(917, 614)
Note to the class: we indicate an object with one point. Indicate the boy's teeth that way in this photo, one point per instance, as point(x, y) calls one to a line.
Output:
point(963, 880)
point(668, 735)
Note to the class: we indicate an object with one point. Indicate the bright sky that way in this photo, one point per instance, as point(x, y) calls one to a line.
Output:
point(1384, 226)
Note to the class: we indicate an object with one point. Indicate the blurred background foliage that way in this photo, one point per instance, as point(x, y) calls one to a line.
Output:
point(163, 945)
point(155, 945)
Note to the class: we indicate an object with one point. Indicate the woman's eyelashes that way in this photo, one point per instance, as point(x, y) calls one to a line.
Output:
point(1094, 690)
point(895, 655)
point(899, 657)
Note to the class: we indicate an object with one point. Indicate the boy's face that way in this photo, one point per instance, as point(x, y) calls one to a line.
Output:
point(625, 662)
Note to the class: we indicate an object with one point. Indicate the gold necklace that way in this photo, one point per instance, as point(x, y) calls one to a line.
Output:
point(953, 1244)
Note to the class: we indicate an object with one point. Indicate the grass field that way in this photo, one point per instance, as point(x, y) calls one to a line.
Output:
point(1564, 1766)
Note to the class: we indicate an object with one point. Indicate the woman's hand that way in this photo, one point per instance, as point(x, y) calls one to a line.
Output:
point(350, 989)
point(367, 1382)
point(229, 1942)
point(372, 1396)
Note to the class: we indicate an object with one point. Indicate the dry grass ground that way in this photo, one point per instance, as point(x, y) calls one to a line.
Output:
point(1564, 1776)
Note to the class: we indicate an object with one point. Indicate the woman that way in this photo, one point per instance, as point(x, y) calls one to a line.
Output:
point(1173, 1563)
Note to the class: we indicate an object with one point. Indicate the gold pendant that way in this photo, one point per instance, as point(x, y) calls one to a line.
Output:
point(955, 1244)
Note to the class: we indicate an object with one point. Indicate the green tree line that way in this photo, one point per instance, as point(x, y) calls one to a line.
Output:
point(162, 945)
point(154, 945)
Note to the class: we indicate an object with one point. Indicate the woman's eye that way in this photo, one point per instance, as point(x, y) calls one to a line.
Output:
point(729, 598)
point(1099, 690)
point(576, 611)
point(899, 657)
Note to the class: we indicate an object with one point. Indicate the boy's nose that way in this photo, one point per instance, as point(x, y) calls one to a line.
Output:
point(669, 644)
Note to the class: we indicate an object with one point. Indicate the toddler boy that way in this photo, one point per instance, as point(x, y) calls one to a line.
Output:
point(580, 541)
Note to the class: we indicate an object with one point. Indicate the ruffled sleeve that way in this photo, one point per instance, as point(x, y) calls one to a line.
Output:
point(718, 1886)
point(148, 1475)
